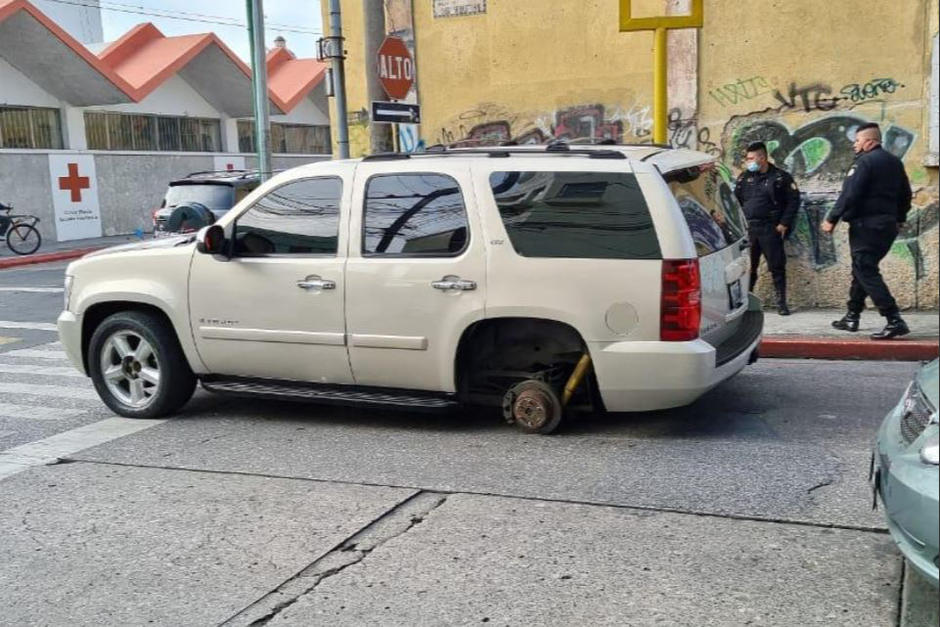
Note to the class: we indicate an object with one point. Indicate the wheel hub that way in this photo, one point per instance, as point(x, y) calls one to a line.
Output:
point(531, 408)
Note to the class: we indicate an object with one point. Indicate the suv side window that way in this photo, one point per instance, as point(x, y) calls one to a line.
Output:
point(587, 215)
point(299, 218)
point(414, 215)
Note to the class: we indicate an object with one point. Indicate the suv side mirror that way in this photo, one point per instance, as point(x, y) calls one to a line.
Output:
point(211, 240)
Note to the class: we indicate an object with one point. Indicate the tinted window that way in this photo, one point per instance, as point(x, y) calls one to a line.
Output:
point(215, 197)
point(594, 215)
point(709, 207)
point(414, 214)
point(298, 218)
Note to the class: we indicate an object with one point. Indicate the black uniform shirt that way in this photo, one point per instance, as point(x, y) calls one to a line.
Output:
point(770, 196)
point(876, 190)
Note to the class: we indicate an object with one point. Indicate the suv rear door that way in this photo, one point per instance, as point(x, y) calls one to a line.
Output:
point(719, 232)
point(416, 273)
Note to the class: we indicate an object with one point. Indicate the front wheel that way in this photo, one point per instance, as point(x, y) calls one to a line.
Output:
point(138, 366)
point(23, 239)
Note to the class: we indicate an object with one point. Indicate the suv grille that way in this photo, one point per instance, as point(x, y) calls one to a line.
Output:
point(916, 417)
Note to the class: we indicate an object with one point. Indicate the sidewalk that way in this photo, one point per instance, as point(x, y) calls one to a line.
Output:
point(809, 334)
point(62, 251)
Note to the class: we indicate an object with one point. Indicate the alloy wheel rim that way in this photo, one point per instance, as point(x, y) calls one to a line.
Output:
point(130, 369)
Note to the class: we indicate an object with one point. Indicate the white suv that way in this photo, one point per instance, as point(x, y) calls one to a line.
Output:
point(534, 279)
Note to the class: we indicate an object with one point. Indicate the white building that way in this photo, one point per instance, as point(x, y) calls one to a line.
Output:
point(132, 114)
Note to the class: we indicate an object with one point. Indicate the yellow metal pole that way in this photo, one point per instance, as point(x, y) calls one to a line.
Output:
point(575, 379)
point(659, 86)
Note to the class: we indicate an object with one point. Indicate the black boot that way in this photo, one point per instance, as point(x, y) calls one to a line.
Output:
point(896, 327)
point(848, 322)
point(782, 308)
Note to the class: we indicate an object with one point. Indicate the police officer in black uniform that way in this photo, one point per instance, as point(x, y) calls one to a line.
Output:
point(875, 199)
point(770, 200)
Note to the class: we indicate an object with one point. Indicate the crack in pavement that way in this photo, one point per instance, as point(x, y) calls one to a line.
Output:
point(390, 524)
point(510, 495)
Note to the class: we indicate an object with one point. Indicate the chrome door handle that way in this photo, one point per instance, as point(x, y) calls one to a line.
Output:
point(316, 283)
point(454, 283)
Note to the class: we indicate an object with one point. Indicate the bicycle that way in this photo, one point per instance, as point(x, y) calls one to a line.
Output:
point(22, 236)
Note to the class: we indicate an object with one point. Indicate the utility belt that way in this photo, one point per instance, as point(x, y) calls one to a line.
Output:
point(772, 218)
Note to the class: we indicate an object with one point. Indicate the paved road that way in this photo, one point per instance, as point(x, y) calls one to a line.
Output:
point(749, 507)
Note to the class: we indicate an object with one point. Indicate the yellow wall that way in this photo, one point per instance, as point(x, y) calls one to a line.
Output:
point(783, 72)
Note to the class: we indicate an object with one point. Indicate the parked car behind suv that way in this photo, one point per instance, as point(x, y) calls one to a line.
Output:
point(202, 198)
point(537, 280)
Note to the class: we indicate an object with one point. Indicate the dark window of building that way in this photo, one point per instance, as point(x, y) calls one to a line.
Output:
point(297, 218)
point(106, 130)
point(592, 215)
point(30, 127)
point(302, 139)
point(414, 214)
point(709, 207)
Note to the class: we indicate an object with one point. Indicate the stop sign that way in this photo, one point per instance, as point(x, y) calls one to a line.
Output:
point(396, 68)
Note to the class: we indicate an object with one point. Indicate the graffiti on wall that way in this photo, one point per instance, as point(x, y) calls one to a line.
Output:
point(491, 124)
point(818, 154)
point(741, 90)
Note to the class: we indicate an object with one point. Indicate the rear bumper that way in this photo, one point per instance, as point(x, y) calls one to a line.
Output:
point(70, 334)
point(645, 376)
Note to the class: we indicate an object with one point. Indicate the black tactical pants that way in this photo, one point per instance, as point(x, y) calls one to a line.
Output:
point(765, 240)
point(869, 245)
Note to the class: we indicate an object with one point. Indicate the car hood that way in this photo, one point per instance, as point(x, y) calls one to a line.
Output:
point(166, 242)
point(927, 380)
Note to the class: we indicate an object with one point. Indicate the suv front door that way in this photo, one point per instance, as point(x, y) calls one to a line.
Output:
point(415, 275)
point(275, 308)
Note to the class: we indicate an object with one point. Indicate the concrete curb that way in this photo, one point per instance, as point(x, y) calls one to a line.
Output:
point(806, 347)
point(62, 255)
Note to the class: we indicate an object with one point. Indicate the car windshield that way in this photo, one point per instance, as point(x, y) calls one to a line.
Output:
point(214, 197)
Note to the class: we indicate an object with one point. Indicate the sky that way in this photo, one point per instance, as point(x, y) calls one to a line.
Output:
point(185, 17)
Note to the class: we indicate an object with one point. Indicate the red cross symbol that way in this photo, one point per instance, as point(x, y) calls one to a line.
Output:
point(74, 183)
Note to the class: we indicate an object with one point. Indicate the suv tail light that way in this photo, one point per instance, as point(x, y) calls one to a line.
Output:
point(680, 310)
point(153, 215)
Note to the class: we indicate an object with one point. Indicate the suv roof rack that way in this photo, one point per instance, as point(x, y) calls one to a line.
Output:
point(500, 152)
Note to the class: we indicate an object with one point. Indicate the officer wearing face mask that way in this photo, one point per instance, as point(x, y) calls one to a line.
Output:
point(875, 199)
point(770, 200)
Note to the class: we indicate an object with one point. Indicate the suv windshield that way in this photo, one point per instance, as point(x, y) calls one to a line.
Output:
point(588, 215)
point(214, 197)
point(708, 206)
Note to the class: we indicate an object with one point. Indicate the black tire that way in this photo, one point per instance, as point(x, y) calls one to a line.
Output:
point(176, 379)
point(23, 239)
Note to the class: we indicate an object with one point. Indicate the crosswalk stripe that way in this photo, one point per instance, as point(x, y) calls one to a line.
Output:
point(29, 326)
point(36, 353)
point(56, 391)
point(34, 412)
point(46, 371)
point(34, 290)
point(48, 450)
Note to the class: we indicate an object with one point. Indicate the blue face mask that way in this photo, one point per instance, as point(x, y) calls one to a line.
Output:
point(752, 166)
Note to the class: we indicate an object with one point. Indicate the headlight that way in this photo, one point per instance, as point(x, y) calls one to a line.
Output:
point(67, 293)
point(930, 453)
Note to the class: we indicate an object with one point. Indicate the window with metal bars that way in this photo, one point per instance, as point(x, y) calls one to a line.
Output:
point(106, 130)
point(299, 139)
point(30, 127)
